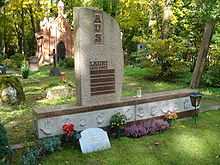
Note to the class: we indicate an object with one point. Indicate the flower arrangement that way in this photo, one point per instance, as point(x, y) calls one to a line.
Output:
point(117, 123)
point(118, 120)
point(68, 129)
point(170, 116)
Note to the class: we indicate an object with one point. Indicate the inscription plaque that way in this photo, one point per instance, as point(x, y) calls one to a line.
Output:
point(102, 79)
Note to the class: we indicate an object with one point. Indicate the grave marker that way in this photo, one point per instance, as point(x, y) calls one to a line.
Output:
point(94, 139)
point(98, 57)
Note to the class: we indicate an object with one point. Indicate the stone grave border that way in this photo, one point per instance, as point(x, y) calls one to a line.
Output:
point(99, 115)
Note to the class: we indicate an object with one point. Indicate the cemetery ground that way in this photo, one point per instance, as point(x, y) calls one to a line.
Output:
point(182, 143)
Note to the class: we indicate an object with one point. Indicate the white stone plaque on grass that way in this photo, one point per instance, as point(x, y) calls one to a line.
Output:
point(94, 139)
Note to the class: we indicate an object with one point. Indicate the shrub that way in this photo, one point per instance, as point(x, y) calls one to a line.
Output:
point(45, 146)
point(5, 151)
point(25, 69)
point(17, 59)
point(212, 77)
point(118, 120)
point(117, 123)
point(50, 144)
point(67, 62)
point(138, 58)
point(146, 127)
point(31, 157)
point(9, 63)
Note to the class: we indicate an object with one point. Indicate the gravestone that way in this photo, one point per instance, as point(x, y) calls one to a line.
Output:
point(98, 57)
point(94, 139)
point(33, 64)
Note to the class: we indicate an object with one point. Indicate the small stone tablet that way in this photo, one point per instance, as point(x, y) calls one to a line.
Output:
point(94, 139)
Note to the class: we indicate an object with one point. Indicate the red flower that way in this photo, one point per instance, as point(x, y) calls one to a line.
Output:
point(68, 129)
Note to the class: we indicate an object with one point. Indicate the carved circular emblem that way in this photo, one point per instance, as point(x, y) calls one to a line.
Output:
point(100, 118)
point(129, 114)
point(140, 112)
point(153, 111)
point(82, 123)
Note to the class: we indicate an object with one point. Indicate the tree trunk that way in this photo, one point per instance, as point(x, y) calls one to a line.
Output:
point(167, 13)
point(4, 33)
point(22, 30)
point(33, 31)
point(202, 54)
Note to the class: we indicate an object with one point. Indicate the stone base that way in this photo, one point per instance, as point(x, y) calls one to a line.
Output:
point(49, 122)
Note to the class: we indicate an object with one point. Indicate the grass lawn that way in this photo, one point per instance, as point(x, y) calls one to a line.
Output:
point(18, 120)
point(183, 144)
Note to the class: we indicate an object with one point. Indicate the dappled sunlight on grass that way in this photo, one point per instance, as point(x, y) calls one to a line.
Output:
point(183, 144)
point(191, 145)
point(38, 83)
point(58, 101)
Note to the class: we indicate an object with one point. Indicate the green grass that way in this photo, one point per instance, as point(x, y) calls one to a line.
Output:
point(18, 120)
point(184, 144)
point(176, 145)
point(135, 78)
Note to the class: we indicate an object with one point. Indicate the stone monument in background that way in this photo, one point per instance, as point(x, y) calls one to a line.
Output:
point(98, 57)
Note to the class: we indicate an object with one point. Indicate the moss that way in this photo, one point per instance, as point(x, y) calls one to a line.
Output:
point(7, 81)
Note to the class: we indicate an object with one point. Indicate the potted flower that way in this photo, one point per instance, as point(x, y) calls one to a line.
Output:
point(68, 130)
point(170, 117)
point(117, 123)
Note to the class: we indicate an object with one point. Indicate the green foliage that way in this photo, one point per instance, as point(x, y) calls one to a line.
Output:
point(138, 58)
point(212, 77)
point(1, 58)
point(2, 2)
point(4, 146)
point(51, 144)
point(118, 120)
point(9, 63)
point(164, 53)
point(17, 59)
point(46, 146)
point(31, 157)
point(7, 81)
point(67, 63)
point(25, 69)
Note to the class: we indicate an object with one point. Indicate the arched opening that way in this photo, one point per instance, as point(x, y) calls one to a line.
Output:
point(61, 51)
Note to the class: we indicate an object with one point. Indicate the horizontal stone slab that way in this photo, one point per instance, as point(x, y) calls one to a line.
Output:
point(147, 98)
point(49, 121)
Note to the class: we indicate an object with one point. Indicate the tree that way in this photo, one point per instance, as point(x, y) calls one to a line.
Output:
point(2, 2)
point(23, 18)
point(209, 11)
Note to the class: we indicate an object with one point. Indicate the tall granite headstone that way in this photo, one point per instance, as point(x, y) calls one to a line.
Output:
point(98, 57)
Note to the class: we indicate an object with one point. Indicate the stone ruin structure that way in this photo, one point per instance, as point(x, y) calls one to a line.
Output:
point(55, 33)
